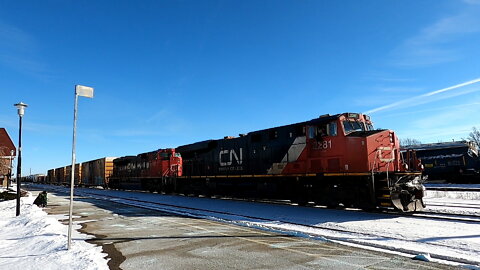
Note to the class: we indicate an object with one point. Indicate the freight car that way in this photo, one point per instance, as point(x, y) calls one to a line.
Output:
point(151, 171)
point(50, 176)
point(331, 160)
point(60, 176)
point(76, 176)
point(454, 162)
point(97, 172)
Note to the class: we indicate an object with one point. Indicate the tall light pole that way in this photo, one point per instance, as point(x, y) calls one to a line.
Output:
point(83, 91)
point(21, 111)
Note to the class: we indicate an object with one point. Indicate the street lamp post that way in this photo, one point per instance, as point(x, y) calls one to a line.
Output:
point(21, 111)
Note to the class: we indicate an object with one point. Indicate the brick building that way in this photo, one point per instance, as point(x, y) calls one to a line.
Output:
point(7, 154)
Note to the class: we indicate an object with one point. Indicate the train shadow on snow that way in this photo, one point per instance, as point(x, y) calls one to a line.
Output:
point(241, 210)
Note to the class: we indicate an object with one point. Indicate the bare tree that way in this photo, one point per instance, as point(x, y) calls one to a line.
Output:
point(409, 142)
point(474, 136)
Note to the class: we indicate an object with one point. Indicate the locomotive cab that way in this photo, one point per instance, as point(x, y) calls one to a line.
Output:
point(348, 147)
point(169, 163)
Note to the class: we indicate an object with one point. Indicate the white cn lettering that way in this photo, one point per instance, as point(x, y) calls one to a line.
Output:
point(220, 158)
point(231, 154)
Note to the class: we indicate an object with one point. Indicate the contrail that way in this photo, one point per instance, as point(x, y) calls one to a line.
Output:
point(395, 104)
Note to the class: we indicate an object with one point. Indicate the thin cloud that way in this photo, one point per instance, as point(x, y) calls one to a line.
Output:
point(419, 112)
point(18, 51)
point(430, 127)
point(438, 133)
point(14, 38)
point(427, 97)
point(398, 89)
point(432, 44)
point(472, 2)
point(134, 132)
point(160, 115)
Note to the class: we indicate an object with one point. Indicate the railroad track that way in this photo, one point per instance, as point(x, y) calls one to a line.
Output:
point(321, 231)
point(456, 205)
point(452, 189)
point(425, 214)
point(447, 216)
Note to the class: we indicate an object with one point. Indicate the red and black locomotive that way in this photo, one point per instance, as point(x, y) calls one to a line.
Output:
point(331, 160)
point(147, 171)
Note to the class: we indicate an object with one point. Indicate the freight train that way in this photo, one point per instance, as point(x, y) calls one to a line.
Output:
point(333, 160)
point(91, 173)
point(453, 162)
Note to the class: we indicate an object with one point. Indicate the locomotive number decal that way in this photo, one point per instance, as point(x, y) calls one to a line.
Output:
point(226, 157)
point(323, 145)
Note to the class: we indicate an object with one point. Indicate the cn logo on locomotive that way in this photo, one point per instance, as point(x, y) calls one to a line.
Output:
point(226, 157)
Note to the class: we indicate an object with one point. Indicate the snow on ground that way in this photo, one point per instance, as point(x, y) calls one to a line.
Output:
point(457, 241)
point(445, 185)
point(35, 240)
point(459, 202)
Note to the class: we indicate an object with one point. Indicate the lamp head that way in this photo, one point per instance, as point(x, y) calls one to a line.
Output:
point(21, 108)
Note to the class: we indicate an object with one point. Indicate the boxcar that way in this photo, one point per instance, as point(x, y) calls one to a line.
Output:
point(60, 176)
point(78, 173)
point(97, 172)
point(50, 176)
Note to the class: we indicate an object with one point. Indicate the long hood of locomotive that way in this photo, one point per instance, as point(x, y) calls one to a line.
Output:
point(360, 152)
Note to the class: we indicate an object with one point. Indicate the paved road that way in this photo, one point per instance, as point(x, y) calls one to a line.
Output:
point(137, 238)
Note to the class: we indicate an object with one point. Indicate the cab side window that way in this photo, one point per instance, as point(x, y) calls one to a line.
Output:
point(332, 129)
point(318, 132)
point(312, 132)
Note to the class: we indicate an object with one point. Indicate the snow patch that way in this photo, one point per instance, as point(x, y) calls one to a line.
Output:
point(36, 240)
point(423, 257)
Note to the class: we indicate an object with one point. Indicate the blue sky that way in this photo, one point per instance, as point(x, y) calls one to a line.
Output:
point(168, 73)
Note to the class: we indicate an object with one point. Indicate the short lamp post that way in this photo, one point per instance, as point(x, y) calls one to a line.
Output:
point(10, 170)
point(21, 111)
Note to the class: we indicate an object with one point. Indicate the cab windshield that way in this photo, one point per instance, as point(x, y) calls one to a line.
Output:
point(352, 126)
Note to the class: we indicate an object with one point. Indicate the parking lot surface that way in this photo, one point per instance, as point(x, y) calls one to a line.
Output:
point(137, 238)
